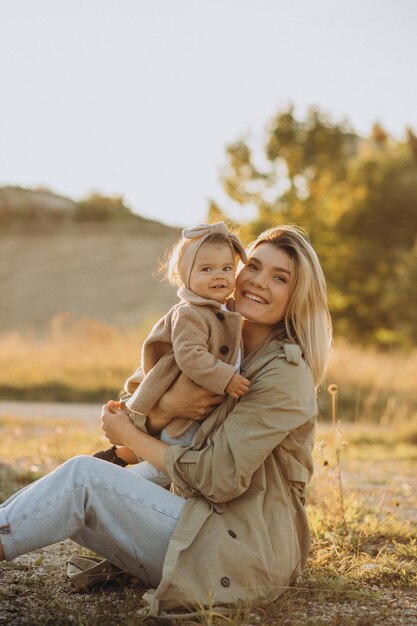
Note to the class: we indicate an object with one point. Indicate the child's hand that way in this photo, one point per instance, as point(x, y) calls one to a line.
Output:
point(116, 407)
point(237, 386)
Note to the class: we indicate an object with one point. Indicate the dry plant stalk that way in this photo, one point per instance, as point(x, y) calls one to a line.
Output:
point(337, 447)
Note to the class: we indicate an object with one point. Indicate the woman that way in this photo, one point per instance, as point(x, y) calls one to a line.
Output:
point(237, 528)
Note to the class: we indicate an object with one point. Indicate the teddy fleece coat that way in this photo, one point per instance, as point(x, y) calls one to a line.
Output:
point(243, 534)
point(196, 337)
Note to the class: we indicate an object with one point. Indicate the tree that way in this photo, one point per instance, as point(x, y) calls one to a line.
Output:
point(357, 199)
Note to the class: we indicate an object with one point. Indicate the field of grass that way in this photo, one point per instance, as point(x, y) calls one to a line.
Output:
point(363, 514)
point(362, 501)
point(79, 360)
point(76, 360)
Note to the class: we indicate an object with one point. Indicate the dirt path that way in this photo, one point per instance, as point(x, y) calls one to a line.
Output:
point(87, 412)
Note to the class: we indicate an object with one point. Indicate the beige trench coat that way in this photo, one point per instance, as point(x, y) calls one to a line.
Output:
point(196, 337)
point(243, 534)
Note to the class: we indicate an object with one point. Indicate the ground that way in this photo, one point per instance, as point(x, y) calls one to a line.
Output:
point(362, 569)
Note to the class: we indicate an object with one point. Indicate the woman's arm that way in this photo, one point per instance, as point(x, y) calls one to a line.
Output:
point(278, 402)
point(183, 399)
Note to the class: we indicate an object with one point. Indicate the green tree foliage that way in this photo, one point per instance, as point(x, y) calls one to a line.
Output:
point(357, 199)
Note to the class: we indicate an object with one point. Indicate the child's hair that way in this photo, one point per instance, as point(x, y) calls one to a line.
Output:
point(169, 267)
point(307, 319)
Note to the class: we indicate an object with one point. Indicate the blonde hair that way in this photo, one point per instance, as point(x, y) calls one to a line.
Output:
point(171, 262)
point(307, 319)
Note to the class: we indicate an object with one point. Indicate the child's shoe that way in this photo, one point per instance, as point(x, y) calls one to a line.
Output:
point(110, 456)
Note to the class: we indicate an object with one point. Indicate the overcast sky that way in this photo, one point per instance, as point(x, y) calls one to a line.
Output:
point(140, 97)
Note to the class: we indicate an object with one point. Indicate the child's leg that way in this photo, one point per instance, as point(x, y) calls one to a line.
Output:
point(150, 472)
point(183, 440)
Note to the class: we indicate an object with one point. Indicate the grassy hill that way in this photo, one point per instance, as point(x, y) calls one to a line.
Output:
point(52, 261)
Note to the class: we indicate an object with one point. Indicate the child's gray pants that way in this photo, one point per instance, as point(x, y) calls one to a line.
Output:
point(101, 506)
point(149, 471)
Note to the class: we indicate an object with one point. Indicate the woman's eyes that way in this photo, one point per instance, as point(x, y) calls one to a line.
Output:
point(277, 277)
point(280, 279)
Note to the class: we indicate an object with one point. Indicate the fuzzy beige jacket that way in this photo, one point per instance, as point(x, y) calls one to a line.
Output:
point(196, 337)
point(243, 534)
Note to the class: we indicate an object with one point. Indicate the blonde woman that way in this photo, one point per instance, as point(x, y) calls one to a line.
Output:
point(236, 528)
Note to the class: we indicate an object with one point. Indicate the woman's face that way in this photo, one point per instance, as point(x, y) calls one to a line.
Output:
point(263, 286)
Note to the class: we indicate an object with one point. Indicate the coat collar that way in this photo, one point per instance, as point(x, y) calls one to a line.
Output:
point(192, 298)
point(269, 349)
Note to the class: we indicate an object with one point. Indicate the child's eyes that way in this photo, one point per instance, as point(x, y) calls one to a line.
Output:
point(228, 268)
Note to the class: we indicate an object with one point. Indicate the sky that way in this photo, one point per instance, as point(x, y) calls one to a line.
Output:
point(140, 98)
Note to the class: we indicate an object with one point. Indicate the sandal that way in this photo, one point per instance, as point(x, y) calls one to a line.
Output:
point(86, 571)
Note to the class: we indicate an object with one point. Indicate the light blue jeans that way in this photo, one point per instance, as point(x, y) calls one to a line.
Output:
point(149, 471)
point(103, 507)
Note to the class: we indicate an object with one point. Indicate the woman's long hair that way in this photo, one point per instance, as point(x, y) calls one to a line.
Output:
point(307, 320)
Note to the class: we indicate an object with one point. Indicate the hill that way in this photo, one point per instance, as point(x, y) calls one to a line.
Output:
point(40, 208)
point(53, 265)
point(20, 204)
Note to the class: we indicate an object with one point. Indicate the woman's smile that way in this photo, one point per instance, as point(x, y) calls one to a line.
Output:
point(263, 286)
point(254, 297)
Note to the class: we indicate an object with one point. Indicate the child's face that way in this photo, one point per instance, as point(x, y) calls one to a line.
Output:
point(213, 273)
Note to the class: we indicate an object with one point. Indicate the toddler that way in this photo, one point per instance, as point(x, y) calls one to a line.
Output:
point(199, 336)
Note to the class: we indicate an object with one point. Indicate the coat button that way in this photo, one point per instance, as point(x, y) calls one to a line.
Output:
point(225, 581)
point(232, 533)
point(220, 316)
point(224, 349)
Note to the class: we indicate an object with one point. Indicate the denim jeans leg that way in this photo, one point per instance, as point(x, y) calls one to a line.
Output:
point(103, 507)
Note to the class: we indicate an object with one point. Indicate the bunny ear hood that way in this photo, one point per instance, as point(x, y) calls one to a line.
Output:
point(197, 235)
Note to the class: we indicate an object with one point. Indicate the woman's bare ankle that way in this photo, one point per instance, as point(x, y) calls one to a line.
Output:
point(1, 552)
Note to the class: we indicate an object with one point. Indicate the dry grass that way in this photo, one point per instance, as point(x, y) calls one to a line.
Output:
point(75, 360)
point(374, 386)
point(33, 447)
point(84, 360)
point(352, 365)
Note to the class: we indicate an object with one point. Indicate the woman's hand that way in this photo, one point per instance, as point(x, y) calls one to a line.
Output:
point(115, 423)
point(119, 430)
point(186, 399)
point(183, 399)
